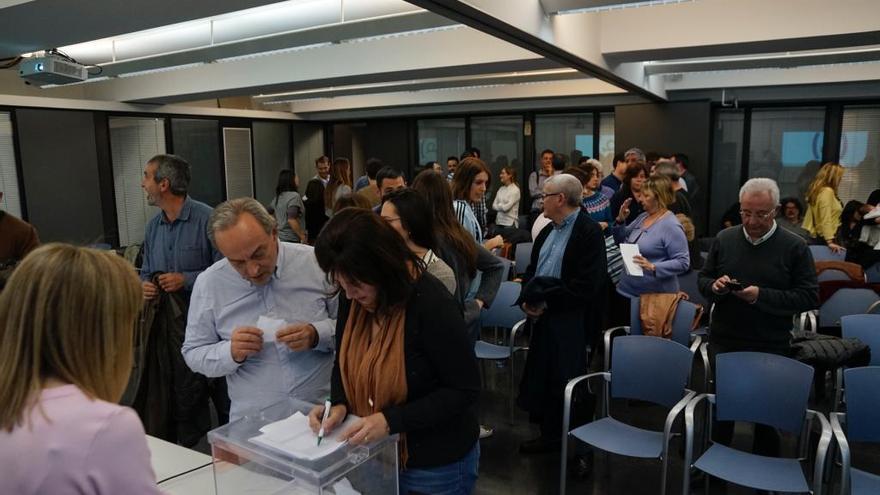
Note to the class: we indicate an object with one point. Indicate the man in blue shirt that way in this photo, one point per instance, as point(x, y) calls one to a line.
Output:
point(176, 241)
point(561, 294)
point(264, 316)
point(176, 250)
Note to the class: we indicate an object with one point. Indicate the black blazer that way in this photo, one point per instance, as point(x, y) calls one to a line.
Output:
point(584, 267)
point(442, 378)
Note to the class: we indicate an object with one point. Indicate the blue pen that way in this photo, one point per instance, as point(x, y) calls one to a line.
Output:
point(326, 415)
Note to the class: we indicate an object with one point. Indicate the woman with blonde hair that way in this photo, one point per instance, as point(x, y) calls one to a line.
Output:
point(66, 323)
point(661, 239)
point(823, 206)
point(338, 185)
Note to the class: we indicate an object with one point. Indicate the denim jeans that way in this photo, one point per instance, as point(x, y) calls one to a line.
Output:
point(457, 478)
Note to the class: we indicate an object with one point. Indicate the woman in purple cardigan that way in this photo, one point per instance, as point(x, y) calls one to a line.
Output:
point(661, 240)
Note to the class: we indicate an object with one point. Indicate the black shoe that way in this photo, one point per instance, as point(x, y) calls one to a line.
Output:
point(540, 445)
point(581, 466)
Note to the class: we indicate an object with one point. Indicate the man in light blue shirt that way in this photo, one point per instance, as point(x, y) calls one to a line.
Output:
point(261, 276)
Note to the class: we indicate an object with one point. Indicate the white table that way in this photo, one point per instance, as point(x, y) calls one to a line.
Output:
point(171, 461)
point(198, 482)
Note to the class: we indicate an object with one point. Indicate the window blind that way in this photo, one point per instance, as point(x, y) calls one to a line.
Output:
point(238, 162)
point(859, 151)
point(11, 201)
point(133, 141)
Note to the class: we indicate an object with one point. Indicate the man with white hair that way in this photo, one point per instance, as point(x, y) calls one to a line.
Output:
point(263, 316)
point(758, 276)
point(561, 290)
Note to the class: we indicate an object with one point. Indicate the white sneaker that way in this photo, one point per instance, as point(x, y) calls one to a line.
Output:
point(486, 432)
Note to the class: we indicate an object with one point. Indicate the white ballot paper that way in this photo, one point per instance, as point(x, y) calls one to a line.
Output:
point(627, 252)
point(269, 326)
point(292, 436)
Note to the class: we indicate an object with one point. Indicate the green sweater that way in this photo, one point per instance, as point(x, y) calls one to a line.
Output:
point(782, 268)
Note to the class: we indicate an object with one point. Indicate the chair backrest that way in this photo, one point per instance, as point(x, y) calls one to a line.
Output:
point(762, 388)
point(846, 301)
point(829, 275)
point(821, 253)
point(865, 328)
point(873, 274)
point(523, 257)
point(688, 284)
point(681, 322)
point(505, 272)
point(649, 368)
point(503, 313)
point(862, 403)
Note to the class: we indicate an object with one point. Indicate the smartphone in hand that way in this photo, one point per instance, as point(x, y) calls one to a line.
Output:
point(735, 285)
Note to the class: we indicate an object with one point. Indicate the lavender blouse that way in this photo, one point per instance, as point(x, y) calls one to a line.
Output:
point(70, 444)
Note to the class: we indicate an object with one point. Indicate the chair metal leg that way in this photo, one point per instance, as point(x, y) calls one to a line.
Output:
point(663, 475)
point(563, 461)
point(510, 388)
point(838, 390)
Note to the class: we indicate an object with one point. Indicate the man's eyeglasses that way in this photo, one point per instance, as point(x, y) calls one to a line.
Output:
point(546, 195)
point(759, 215)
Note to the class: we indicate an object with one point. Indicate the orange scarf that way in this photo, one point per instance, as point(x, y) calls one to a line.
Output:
point(371, 361)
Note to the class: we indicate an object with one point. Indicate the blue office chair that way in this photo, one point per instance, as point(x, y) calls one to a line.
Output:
point(522, 257)
point(503, 313)
point(758, 388)
point(832, 274)
point(681, 331)
point(844, 302)
point(824, 253)
point(688, 284)
point(505, 271)
point(644, 368)
point(872, 274)
point(862, 424)
point(867, 329)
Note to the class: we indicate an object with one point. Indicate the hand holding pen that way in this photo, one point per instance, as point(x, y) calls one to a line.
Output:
point(320, 420)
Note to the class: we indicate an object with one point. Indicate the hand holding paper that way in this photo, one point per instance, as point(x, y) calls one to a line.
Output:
point(270, 327)
point(628, 252)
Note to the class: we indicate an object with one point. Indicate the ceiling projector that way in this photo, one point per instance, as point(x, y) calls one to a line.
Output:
point(51, 69)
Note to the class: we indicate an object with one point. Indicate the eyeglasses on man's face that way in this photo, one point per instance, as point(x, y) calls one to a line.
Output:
point(757, 215)
point(547, 195)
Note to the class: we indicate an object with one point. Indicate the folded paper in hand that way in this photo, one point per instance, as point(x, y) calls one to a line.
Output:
point(627, 252)
point(294, 437)
point(270, 326)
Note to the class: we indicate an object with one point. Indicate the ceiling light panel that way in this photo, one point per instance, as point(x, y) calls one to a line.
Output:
point(605, 6)
point(357, 10)
point(274, 19)
point(171, 39)
point(278, 18)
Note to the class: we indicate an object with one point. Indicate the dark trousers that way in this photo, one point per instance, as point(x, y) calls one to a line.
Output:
point(557, 354)
point(767, 439)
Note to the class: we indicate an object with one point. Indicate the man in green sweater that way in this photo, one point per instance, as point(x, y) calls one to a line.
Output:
point(758, 276)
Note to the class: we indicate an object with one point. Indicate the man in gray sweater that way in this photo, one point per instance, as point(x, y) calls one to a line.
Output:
point(758, 276)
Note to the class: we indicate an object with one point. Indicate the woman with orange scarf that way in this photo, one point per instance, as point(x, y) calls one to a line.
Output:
point(404, 362)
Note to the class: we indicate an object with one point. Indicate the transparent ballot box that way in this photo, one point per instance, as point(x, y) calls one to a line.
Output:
point(243, 464)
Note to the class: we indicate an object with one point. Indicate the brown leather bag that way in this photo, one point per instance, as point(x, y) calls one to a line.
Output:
point(657, 312)
point(853, 270)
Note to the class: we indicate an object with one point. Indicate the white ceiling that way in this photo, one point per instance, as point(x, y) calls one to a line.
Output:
point(313, 56)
